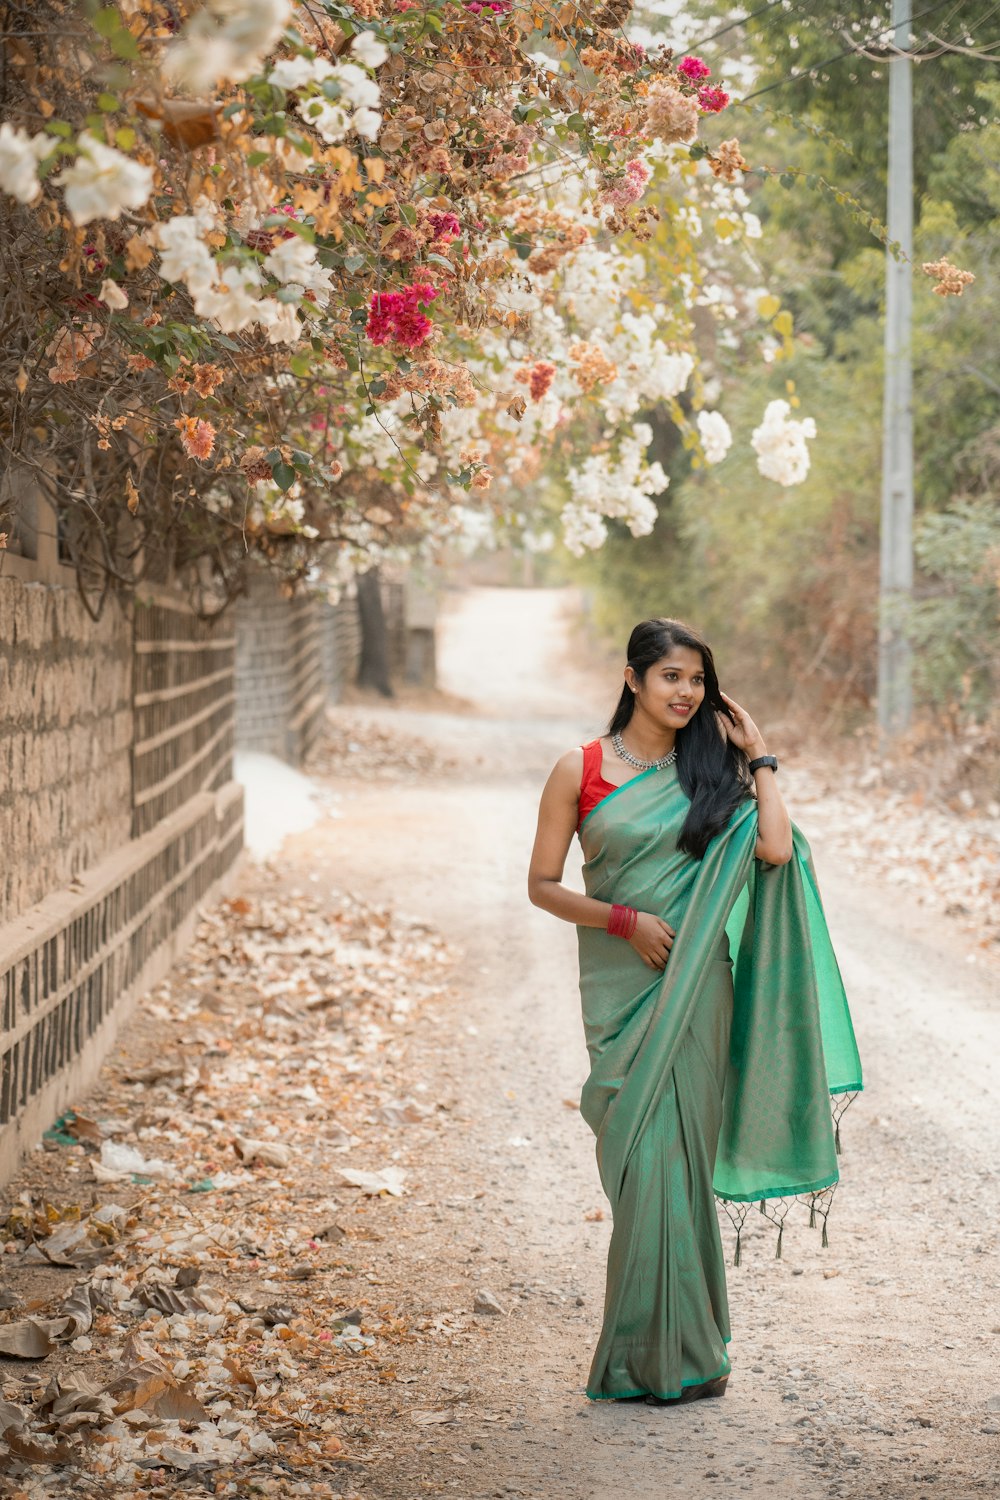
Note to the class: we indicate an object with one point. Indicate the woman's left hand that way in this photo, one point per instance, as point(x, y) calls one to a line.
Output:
point(741, 729)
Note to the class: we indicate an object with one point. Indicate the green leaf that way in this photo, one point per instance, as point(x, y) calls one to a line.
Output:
point(354, 263)
point(258, 158)
point(283, 475)
point(125, 138)
point(787, 179)
point(59, 127)
point(124, 44)
point(107, 102)
point(107, 21)
point(300, 364)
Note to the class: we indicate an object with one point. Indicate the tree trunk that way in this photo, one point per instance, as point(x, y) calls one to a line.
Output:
point(373, 668)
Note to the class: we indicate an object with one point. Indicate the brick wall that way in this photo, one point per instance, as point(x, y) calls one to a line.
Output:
point(65, 738)
point(118, 815)
point(293, 656)
point(184, 697)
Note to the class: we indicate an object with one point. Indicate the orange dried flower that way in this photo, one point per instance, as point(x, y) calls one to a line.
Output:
point(197, 437)
point(254, 465)
point(207, 378)
point(727, 161)
point(951, 282)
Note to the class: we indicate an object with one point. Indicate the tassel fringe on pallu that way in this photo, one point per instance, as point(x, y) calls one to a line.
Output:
point(775, 1210)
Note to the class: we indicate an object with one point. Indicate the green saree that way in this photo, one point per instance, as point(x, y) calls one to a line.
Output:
point(710, 1079)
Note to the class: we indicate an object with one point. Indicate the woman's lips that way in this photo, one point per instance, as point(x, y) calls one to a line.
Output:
point(681, 708)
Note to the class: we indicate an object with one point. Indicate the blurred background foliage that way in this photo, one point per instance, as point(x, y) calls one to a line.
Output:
point(784, 581)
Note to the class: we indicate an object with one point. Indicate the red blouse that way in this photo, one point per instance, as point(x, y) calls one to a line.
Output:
point(593, 787)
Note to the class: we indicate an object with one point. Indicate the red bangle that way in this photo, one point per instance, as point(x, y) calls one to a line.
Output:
point(622, 920)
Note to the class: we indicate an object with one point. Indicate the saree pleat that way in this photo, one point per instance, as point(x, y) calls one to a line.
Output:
point(710, 1078)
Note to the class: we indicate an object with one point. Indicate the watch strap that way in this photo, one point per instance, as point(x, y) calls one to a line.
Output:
point(764, 760)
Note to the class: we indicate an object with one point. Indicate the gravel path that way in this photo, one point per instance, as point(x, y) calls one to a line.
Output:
point(865, 1370)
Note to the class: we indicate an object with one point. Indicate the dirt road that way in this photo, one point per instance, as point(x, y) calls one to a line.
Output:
point(436, 1341)
point(867, 1369)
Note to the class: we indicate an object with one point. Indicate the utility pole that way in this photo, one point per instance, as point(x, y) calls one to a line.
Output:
point(895, 696)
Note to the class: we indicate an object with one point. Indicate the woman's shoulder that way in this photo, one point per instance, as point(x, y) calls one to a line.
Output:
point(571, 766)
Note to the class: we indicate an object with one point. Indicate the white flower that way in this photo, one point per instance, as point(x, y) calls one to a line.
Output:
point(360, 91)
point(618, 485)
point(367, 123)
point(328, 120)
point(367, 49)
point(294, 262)
point(583, 529)
point(716, 438)
point(780, 444)
point(280, 320)
point(227, 39)
point(184, 256)
point(112, 295)
point(752, 227)
point(235, 302)
point(299, 72)
point(20, 154)
point(102, 182)
point(291, 72)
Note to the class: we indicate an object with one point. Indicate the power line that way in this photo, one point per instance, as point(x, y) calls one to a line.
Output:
point(732, 25)
point(849, 52)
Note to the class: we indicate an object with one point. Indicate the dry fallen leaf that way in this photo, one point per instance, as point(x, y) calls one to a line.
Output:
point(389, 1180)
point(31, 1338)
point(271, 1153)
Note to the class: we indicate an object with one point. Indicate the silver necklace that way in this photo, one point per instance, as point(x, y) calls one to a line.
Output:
point(633, 760)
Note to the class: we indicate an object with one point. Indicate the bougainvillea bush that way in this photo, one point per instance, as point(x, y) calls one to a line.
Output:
point(314, 281)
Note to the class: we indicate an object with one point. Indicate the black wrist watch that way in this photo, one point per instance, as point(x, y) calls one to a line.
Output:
point(764, 760)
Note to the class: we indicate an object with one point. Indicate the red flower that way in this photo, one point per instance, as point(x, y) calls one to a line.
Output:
point(542, 376)
point(711, 99)
point(444, 226)
point(395, 317)
point(693, 68)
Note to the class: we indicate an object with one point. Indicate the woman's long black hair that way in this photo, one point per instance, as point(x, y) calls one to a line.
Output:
point(712, 772)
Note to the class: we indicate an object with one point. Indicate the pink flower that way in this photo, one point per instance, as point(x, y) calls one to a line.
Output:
point(542, 376)
point(630, 188)
point(445, 227)
point(197, 438)
point(693, 69)
point(711, 99)
point(395, 317)
point(498, 7)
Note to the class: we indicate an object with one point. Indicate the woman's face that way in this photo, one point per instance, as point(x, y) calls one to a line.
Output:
point(673, 688)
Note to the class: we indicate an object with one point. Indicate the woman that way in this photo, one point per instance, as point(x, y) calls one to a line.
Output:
point(710, 1073)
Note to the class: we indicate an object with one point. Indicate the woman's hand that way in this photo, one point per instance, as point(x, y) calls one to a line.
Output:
point(741, 729)
point(652, 940)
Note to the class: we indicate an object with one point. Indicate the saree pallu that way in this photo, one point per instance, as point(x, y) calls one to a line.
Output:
point(709, 1079)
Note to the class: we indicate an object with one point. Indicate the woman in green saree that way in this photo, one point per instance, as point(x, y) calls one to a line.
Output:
point(713, 1009)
